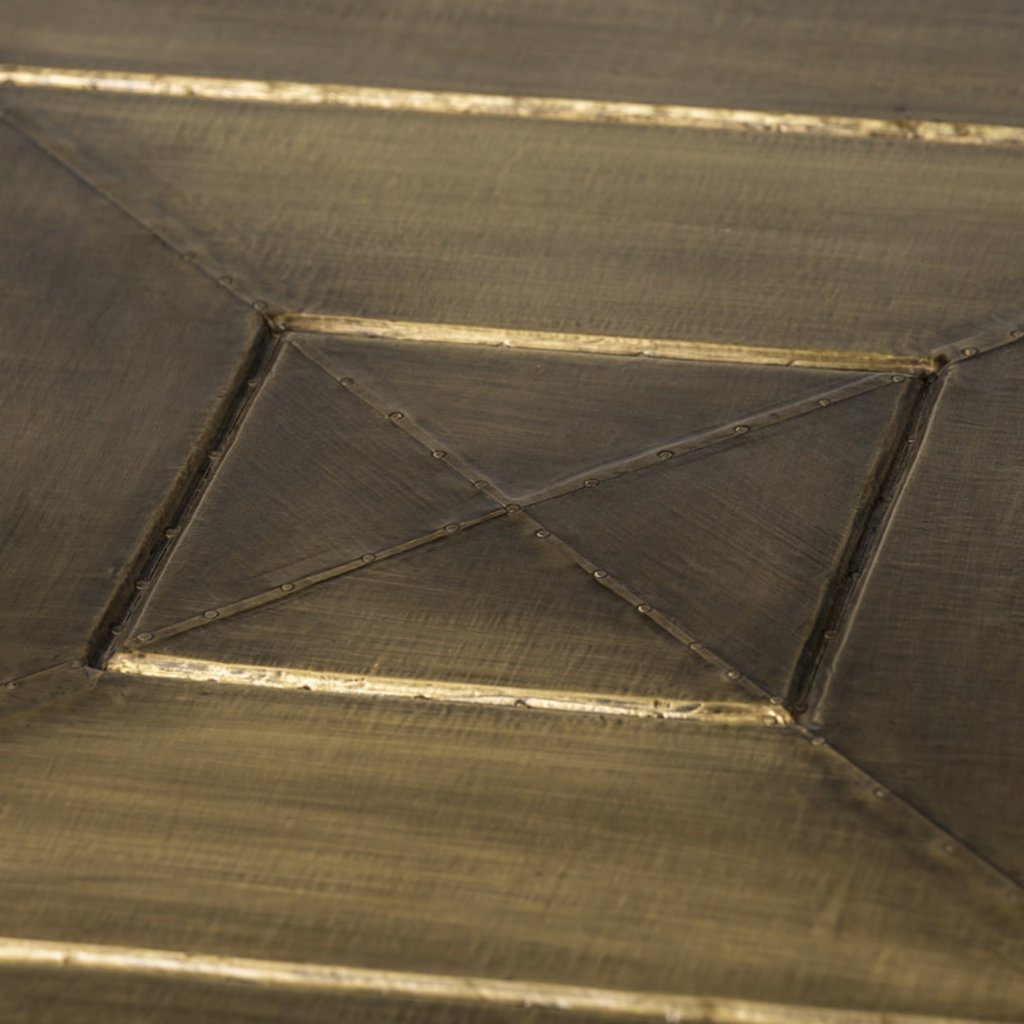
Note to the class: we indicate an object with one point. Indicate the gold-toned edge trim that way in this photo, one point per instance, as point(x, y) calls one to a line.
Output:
point(343, 980)
point(665, 348)
point(538, 108)
point(622, 705)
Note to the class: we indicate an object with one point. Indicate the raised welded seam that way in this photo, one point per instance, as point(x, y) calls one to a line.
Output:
point(600, 344)
point(735, 430)
point(184, 497)
point(807, 697)
point(889, 465)
point(289, 588)
point(945, 842)
point(715, 712)
point(767, 704)
point(980, 343)
point(86, 169)
point(533, 108)
point(393, 415)
point(341, 979)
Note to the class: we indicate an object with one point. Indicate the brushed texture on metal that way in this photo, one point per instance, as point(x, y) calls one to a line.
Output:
point(114, 357)
point(637, 856)
point(907, 60)
point(926, 689)
point(773, 240)
point(737, 543)
point(314, 478)
point(39, 996)
point(496, 605)
point(527, 420)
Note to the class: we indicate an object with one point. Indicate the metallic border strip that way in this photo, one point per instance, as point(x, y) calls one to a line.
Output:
point(537, 108)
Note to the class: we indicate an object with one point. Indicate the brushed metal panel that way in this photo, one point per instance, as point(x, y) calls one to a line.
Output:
point(759, 240)
point(526, 420)
point(69, 996)
point(114, 358)
point(927, 685)
point(642, 855)
point(737, 543)
point(496, 606)
point(314, 479)
point(910, 59)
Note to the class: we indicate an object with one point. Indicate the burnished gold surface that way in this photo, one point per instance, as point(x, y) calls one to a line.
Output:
point(512, 550)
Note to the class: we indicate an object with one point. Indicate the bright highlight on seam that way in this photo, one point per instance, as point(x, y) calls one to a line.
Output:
point(664, 348)
point(731, 713)
point(540, 108)
point(359, 981)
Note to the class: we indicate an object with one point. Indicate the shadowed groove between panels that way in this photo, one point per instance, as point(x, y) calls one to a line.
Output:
point(539, 108)
point(341, 980)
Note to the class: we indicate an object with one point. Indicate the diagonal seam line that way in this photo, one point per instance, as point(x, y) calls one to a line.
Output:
point(535, 108)
point(614, 705)
point(735, 430)
point(342, 980)
point(33, 133)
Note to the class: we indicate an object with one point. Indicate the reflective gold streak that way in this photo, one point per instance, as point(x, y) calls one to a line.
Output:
point(344, 980)
point(732, 713)
point(538, 108)
point(664, 348)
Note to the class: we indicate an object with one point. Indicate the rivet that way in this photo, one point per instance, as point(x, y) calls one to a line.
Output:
point(513, 508)
point(215, 454)
point(144, 637)
point(896, 378)
point(287, 586)
point(817, 741)
point(346, 382)
point(599, 574)
point(141, 584)
point(171, 533)
point(210, 614)
point(733, 674)
point(830, 634)
point(252, 382)
point(643, 609)
point(396, 415)
point(368, 557)
point(948, 847)
point(741, 429)
point(1017, 332)
point(823, 402)
point(226, 280)
point(542, 533)
point(78, 664)
point(115, 630)
point(480, 484)
point(591, 482)
point(775, 700)
point(665, 454)
point(452, 528)
point(969, 351)
point(880, 793)
point(438, 454)
point(259, 304)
